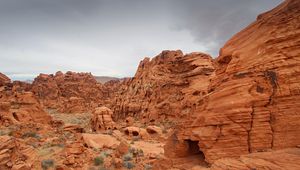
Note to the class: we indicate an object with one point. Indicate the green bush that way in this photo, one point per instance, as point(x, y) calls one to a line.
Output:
point(128, 165)
point(47, 163)
point(136, 152)
point(31, 134)
point(140, 152)
point(98, 160)
point(104, 154)
point(132, 150)
point(127, 157)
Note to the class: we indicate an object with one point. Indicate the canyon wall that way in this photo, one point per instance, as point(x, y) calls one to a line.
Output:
point(252, 103)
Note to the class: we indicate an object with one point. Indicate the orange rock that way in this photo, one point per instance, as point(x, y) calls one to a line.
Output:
point(136, 132)
point(68, 93)
point(20, 106)
point(129, 121)
point(99, 141)
point(281, 159)
point(252, 101)
point(73, 128)
point(154, 130)
point(102, 119)
point(4, 79)
point(15, 154)
point(118, 162)
point(165, 87)
point(122, 149)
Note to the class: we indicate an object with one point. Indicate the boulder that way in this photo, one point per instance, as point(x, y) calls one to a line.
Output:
point(74, 128)
point(102, 119)
point(99, 141)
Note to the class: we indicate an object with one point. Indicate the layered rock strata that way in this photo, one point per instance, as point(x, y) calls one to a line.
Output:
point(252, 103)
point(166, 87)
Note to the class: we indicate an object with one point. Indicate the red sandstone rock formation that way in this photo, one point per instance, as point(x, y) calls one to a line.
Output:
point(19, 106)
point(69, 93)
point(102, 119)
point(281, 159)
point(15, 154)
point(164, 87)
point(253, 100)
point(3, 79)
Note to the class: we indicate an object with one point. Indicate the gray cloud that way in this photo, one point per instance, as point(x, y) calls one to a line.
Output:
point(110, 37)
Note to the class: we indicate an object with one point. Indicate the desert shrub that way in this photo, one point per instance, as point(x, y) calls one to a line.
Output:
point(104, 154)
point(131, 150)
point(140, 152)
point(31, 134)
point(136, 152)
point(147, 167)
point(47, 163)
point(98, 160)
point(127, 157)
point(128, 165)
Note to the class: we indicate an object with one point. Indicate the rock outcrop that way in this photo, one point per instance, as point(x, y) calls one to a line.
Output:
point(19, 106)
point(69, 93)
point(252, 103)
point(281, 159)
point(164, 87)
point(15, 154)
point(102, 119)
point(3, 79)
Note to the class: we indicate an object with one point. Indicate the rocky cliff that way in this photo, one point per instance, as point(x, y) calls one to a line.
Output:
point(163, 88)
point(252, 103)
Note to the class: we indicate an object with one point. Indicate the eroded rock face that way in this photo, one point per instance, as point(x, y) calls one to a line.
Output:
point(3, 79)
point(166, 87)
point(102, 119)
point(15, 154)
point(281, 159)
point(20, 106)
point(253, 100)
point(69, 93)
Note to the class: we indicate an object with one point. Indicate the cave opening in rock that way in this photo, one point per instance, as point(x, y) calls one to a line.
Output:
point(135, 133)
point(151, 131)
point(15, 116)
point(195, 150)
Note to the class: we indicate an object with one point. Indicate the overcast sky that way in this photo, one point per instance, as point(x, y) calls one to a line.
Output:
point(110, 37)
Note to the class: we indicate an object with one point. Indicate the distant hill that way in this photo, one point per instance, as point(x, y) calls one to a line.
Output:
point(104, 79)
